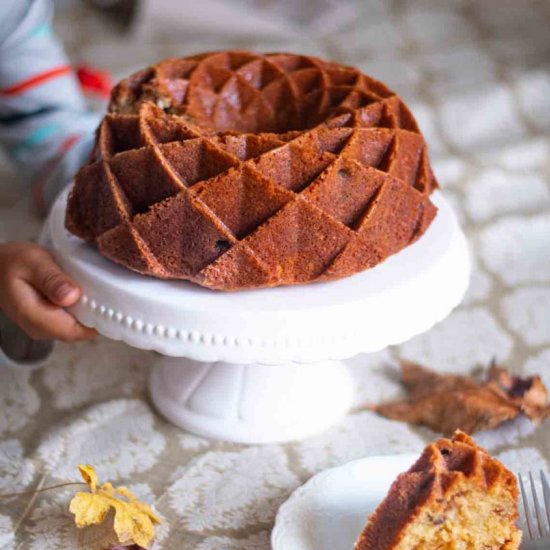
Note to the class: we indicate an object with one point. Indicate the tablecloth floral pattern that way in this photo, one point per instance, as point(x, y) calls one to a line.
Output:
point(477, 75)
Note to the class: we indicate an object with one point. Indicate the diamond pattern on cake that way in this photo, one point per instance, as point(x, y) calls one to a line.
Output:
point(248, 146)
point(242, 198)
point(123, 241)
point(345, 189)
point(240, 170)
point(142, 176)
point(236, 268)
point(299, 242)
point(100, 203)
point(391, 222)
point(182, 235)
point(195, 160)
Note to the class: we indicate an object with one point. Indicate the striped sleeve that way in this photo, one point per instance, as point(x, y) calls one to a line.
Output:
point(45, 127)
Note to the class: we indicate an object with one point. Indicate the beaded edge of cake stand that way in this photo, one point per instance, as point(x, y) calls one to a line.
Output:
point(196, 337)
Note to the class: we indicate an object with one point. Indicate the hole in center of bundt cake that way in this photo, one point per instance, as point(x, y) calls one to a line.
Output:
point(232, 112)
point(243, 92)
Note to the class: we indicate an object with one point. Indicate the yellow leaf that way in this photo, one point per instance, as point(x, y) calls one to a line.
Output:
point(134, 521)
point(108, 489)
point(88, 509)
point(141, 506)
point(88, 475)
point(133, 525)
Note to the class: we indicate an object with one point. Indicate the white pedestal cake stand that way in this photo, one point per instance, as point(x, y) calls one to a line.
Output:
point(264, 365)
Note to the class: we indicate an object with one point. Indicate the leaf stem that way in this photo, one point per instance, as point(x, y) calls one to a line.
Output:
point(35, 491)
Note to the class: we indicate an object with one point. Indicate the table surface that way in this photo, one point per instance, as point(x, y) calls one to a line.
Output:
point(476, 74)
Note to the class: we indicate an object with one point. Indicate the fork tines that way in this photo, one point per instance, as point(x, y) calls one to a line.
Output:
point(535, 513)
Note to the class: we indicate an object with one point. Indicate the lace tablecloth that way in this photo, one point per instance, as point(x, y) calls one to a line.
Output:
point(477, 77)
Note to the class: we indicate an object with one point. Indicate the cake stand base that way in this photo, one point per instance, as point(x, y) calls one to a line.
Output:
point(251, 403)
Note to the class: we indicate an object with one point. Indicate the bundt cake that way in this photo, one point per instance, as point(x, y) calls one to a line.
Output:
point(240, 170)
point(456, 497)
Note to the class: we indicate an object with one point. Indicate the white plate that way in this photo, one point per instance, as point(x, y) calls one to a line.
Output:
point(331, 509)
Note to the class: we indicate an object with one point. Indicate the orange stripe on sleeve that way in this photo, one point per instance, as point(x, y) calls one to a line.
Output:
point(36, 80)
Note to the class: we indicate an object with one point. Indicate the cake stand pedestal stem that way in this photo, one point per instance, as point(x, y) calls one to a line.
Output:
point(251, 403)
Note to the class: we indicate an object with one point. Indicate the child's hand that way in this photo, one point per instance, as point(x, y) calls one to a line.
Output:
point(33, 291)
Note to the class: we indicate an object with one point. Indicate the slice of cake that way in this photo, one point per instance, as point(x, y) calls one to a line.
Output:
point(456, 497)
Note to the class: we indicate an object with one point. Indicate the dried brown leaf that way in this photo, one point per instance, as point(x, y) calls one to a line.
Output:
point(447, 402)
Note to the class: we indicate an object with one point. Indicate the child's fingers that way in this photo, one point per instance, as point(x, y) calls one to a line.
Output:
point(48, 278)
point(42, 320)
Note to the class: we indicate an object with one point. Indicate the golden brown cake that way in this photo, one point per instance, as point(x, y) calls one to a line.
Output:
point(456, 497)
point(239, 170)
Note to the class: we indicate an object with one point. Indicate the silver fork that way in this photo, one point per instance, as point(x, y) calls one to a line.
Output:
point(534, 513)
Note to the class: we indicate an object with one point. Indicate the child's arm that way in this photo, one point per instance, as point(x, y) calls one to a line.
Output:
point(45, 127)
point(47, 132)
